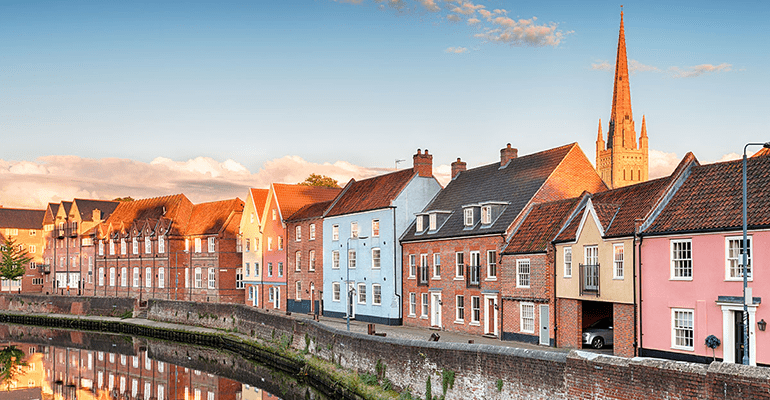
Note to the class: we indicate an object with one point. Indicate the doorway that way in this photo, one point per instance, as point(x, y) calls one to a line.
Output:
point(738, 333)
point(545, 336)
point(435, 314)
point(490, 315)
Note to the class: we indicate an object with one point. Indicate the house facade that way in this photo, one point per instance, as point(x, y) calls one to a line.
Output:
point(25, 228)
point(361, 252)
point(692, 274)
point(451, 254)
point(251, 245)
point(304, 274)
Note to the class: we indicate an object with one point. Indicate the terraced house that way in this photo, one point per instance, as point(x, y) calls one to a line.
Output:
point(451, 253)
point(25, 228)
point(249, 277)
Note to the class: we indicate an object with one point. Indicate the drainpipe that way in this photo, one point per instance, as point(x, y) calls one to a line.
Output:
point(640, 333)
point(396, 244)
point(553, 296)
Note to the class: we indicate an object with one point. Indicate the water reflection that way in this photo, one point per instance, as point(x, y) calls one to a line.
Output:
point(41, 363)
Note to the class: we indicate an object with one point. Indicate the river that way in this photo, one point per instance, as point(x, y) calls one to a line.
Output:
point(42, 363)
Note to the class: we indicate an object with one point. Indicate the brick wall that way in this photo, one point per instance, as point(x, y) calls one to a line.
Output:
point(623, 329)
point(570, 314)
point(309, 279)
point(37, 303)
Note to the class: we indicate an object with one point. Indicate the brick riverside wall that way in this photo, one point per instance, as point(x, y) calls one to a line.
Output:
point(526, 374)
point(37, 303)
point(570, 323)
point(623, 329)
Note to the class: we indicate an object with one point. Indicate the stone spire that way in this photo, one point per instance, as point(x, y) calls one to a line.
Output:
point(621, 130)
point(643, 137)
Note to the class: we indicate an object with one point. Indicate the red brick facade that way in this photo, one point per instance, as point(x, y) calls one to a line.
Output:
point(538, 293)
point(570, 320)
point(309, 273)
point(623, 329)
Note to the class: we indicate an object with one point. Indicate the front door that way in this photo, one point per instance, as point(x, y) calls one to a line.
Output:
point(490, 316)
point(435, 314)
point(545, 338)
point(739, 327)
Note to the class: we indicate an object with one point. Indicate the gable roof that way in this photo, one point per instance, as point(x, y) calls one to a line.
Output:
point(174, 207)
point(372, 193)
point(210, 218)
point(50, 213)
point(711, 199)
point(86, 208)
point(21, 218)
point(516, 184)
point(540, 226)
point(260, 199)
point(291, 198)
point(310, 211)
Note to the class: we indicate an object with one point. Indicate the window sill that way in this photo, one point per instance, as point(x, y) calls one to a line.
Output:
point(618, 278)
point(682, 348)
point(411, 277)
point(490, 279)
point(522, 287)
point(738, 279)
point(436, 278)
point(411, 315)
point(567, 277)
point(680, 279)
point(459, 278)
point(425, 317)
point(474, 323)
point(460, 322)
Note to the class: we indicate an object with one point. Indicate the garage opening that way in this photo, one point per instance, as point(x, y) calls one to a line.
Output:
point(597, 324)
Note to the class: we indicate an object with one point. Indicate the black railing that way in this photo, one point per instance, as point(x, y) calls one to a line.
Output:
point(45, 268)
point(68, 229)
point(589, 279)
point(472, 276)
point(422, 276)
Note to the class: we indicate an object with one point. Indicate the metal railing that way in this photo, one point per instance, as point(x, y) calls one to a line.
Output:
point(473, 276)
point(422, 276)
point(589, 280)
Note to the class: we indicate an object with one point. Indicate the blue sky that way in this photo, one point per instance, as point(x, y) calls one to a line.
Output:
point(243, 84)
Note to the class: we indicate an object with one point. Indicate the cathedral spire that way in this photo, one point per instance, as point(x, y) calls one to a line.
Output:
point(621, 130)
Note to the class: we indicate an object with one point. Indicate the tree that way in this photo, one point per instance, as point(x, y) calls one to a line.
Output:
point(127, 198)
point(320, 180)
point(11, 359)
point(14, 259)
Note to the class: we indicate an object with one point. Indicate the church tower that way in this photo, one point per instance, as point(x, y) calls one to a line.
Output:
point(619, 160)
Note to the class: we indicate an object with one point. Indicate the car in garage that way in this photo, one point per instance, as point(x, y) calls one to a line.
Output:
point(599, 333)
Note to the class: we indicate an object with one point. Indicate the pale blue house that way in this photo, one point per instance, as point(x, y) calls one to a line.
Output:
point(362, 255)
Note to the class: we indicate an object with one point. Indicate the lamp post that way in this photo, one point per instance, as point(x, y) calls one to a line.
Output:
point(347, 281)
point(745, 259)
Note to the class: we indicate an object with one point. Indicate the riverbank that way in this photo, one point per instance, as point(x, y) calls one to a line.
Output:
point(455, 370)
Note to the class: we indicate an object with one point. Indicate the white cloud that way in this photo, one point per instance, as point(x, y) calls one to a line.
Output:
point(635, 66)
point(56, 178)
point(473, 21)
point(662, 164)
point(698, 70)
point(430, 5)
point(453, 17)
point(524, 32)
point(602, 65)
point(456, 50)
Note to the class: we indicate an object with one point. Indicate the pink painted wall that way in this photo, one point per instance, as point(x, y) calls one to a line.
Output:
point(660, 293)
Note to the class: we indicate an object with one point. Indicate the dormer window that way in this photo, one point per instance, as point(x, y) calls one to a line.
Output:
point(486, 215)
point(468, 213)
point(432, 222)
point(419, 227)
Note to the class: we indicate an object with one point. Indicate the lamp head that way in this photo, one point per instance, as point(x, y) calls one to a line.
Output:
point(766, 145)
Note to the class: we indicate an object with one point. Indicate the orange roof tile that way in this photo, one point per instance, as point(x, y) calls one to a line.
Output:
point(371, 194)
point(260, 199)
point(315, 210)
point(540, 226)
point(291, 198)
point(210, 218)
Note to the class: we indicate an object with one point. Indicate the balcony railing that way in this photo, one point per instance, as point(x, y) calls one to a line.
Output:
point(45, 268)
point(589, 280)
point(68, 229)
point(472, 275)
point(422, 276)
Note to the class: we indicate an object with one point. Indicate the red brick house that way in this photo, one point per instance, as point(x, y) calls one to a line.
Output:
point(25, 227)
point(304, 247)
point(451, 254)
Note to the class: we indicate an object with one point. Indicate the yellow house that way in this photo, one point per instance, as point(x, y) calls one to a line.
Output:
point(251, 246)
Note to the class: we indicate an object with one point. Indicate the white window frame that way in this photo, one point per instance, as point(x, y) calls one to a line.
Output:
point(436, 266)
point(101, 247)
point(161, 277)
point(298, 291)
point(523, 276)
point(335, 232)
point(675, 328)
point(123, 277)
point(135, 276)
point(134, 245)
point(123, 246)
point(161, 244)
point(212, 244)
point(486, 215)
point(412, 266)
point(432, 221)
point(198, 246)
point(424, 305)
point(568, 262)
point(376, 294)
point(491, 265)
point(354, 230)
point(198, 277)
point(460, 309)
point(618, 264)
point(212, 283)
point(729, 276)
point(335, 259)
point(148, 277)
point(674, 260)
point(298, 260)
point(311, 233)
point(527, 317)
point(459, 265)
point(418, 224)
point(376, 258)
point(311, 260)
point(269, 244)
point(336, 291)
point(351, 259)
point(475, 310)
point(147, 245)
point(468, 216)
point(101, 276)
point(375, 227)
point(298, 233)
point(112, 277)
point(412, 305)
point(275, 215)
point(361, 293)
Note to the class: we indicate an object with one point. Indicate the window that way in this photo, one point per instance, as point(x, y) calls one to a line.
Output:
point(375, 227)
point(101, 247)
point(491, 264)
point(298, 261)
point(734, 247)
point(591, 255)
point(432, 221)
point(522, 273)
point(147, 245)
point(335, 291)
point(298, 290)
point(423, 267)
point(87, 241)
point(412, 266)
point(311, 234)
point(682, 329)
point(280, 268)
point(256, 244)
point(354, 230)
point(311, 260)
point(375, 258)
point(211, 245)
point(475, 309)
point(527, 324)
point(198, 247)
point(351, 259)
point(112, 276)
point(212, 278)
point(248, 245)
point(123, 246)
point(251, 292)
point(568, 262)
point(32, 248)
point(247, 268)
point(112, 247)
point(161, 277)
point(436, 265)
point(280, 242)
point(148, 277)
point(418, 224)
point(269, 244)
point(376, 294)
point(468, 213)
point(101, 276)
point(135, 245)
point(617, 270)
point(135, 275)
point(239, 278)
point(32, 232)
point(198, 278)
point(186, 245)
point(475, 268)
point(681, 259)
point(124, 277)
point(361, 293)
point(486, 215)
point(412, 304)
point(424, 306)
point(256, 269)
point(459, 308)
point(335, 232)
point(251, 218)
point(297, 233)
point(459, 265)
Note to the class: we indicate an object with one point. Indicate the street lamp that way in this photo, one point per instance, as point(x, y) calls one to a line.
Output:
point(347, 281)
point(745, 253)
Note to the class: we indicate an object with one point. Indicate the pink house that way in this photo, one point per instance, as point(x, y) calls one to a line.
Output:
point(691, 274)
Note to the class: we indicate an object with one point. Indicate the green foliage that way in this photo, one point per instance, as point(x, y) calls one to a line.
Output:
point(499, 385)
point(428, 389)
point(285, 342)
point(406, 394)
point(122, 199)
point(320, 180)
point(369, 379)
point(386, 384)
point(11, 359)
point(380, 368)
point(14, 258)
point(447, 380)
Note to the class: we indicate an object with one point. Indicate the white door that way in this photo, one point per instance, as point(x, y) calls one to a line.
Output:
point(435, 312)
point(545, 338)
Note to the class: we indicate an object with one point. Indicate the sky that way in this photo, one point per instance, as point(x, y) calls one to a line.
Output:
point(207, 98)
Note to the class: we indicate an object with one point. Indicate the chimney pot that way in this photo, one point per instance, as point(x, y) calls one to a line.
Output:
point(507, 154)
point(457, 167)
point(423, 163)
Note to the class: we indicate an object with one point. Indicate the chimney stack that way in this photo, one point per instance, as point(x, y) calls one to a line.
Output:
point(423, 163)
point(508, 154)
point(457, 167)
point(96, 215)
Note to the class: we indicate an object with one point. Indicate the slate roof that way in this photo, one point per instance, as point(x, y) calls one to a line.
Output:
point(314, 210)
point(50, 217)
point(711, 199)
point(516, 184)
point(293, 197)
point(260, 199)
point(87, 206)
point(21, 218)
point(540, 226)
point(372, 193)
point(210, 218)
